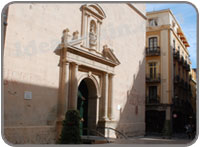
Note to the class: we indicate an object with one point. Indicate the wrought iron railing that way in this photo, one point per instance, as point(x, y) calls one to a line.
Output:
point(188, 67)
point(117, 132)
point(153, 51)
point(91, 133)
point(152, 99)
point(177, 79)
point(153, 77)
point(176, 54)
point(181, 60)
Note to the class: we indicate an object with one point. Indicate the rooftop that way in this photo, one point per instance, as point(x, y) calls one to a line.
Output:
point(179, 30)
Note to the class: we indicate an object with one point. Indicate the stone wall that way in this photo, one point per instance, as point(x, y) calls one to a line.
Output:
point(30, 135)
point(33, 33)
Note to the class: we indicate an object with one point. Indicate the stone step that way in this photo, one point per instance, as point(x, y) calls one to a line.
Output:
point(95, 140)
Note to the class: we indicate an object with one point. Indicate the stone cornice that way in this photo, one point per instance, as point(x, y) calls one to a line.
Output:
point(137, 11)
point(89, 55)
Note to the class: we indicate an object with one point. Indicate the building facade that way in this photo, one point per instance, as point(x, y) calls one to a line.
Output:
point(54, 52)
point(193, 88)
point(167, 74)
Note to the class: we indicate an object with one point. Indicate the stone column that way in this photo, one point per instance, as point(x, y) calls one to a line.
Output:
point(62, 78)
point(98, 35)
point(74, 88)
point(67, 87)
point(87, 30)
point(111, 115)
point(61, 93)
point(105, 97)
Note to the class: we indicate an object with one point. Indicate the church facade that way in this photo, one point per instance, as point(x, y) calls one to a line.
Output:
point(86, 57)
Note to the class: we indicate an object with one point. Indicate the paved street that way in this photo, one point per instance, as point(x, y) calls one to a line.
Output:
point(154, 140)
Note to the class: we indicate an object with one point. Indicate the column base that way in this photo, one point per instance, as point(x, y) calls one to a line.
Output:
point(104, 125)
point(59, 123)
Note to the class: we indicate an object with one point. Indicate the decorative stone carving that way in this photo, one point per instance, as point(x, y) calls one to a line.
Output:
point(65, 37)
point(105, 46)
point(75, 35)
point(89, 74)
point(109, 54)
point(92, 18)
point(105, 51)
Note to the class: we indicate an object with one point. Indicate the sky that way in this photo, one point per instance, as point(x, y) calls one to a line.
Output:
point(186, 16)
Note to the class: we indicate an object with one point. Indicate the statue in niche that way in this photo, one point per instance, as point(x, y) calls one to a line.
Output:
point(65, 37)
point(92, 36)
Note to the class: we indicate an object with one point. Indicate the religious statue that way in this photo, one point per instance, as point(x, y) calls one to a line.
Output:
point(92, 36)
point(65, 36)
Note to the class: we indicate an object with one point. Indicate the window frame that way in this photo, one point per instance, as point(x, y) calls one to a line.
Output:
point(153, 43)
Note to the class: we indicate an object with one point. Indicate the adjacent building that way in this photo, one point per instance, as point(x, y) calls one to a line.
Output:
point(53, 52)
point(193, 89)
point(168, 94)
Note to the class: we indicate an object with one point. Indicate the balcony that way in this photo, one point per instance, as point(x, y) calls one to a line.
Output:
point(176, 54)
point(153, 99)
point(177, 79)
point(185, 64)
point(181, 60)
point(182, 83)
point(188, 67)
point(177, 101)
point(152, 78)
point(153, 51)
point(186, 85)
point(190, 77)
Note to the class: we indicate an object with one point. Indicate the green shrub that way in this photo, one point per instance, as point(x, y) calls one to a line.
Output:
point(71, 128)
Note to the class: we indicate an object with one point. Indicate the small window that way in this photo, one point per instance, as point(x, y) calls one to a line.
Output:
point(153, 22)
point(173, 24)
point(174, 44)
point(153, 70)
point(152, 92)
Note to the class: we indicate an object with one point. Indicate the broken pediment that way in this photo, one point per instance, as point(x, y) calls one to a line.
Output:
point(94, 9)
point(108, 54)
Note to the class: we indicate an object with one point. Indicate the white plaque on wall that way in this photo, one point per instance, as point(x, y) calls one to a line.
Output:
point(27, 95)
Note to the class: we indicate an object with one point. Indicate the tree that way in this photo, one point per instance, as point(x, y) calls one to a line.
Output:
point(71, 128)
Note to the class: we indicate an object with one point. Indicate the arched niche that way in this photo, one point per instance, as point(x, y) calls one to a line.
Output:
point(92, 14)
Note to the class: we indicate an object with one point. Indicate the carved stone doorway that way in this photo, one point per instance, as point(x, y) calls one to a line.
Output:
point(87, 105)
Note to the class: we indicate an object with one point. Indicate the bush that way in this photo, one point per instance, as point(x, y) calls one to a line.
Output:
point(71, 128)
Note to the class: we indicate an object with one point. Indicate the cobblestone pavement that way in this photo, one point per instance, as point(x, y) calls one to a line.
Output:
point(155, 140)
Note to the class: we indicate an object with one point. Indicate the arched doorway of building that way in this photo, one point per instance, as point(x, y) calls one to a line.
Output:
point(87, 105)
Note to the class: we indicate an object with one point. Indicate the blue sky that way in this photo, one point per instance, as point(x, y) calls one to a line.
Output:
point(187, 18)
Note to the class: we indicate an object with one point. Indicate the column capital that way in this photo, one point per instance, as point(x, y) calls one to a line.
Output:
point(75, 63)
point(105, 73)
point(111, 74)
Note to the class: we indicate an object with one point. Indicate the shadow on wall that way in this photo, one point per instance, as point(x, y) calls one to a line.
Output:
point(132, 117)
point(29, 120)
